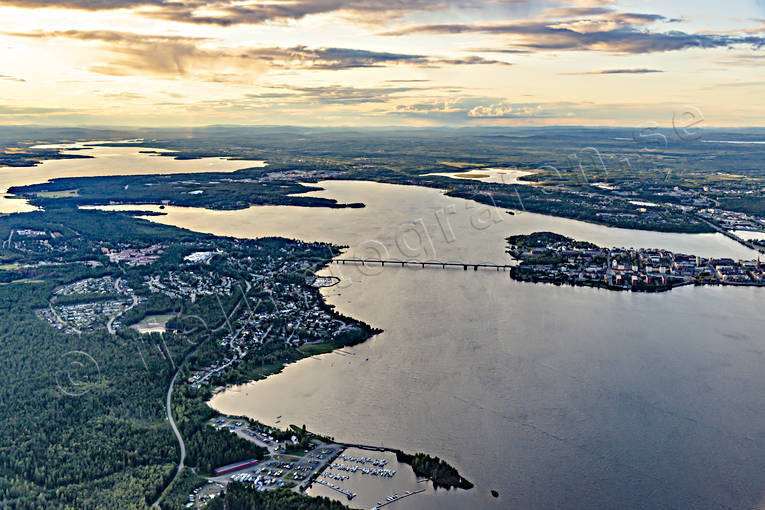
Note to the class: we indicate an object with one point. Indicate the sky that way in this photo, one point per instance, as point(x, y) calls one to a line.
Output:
point(382, 62)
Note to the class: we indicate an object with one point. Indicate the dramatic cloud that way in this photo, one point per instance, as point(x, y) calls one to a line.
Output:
point(435, 106)
point(595, 27)
point(289, 99)
point(110, 36)
point(475, 110)
point(176, 55)
point(234, 12)
point(619, 71)
point(159, 60)
point(537, 35)
point(162, 54)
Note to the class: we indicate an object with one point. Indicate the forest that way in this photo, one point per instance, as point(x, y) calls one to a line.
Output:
point(83, 422)
point(588, 174)
point(437, 470)
point(236, 190)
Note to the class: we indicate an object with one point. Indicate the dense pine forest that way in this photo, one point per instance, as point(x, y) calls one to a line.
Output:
point(84, 423)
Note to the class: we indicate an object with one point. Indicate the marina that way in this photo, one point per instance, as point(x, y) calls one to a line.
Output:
point(371, 478)
point(538, 342)
point(378, 468)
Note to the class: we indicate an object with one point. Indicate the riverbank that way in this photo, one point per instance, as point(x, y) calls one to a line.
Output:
point(353, 332)
point(554, 258)
point(304, 462)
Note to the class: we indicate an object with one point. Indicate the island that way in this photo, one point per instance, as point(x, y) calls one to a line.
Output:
point(554, 258)
point(596, 175)
point(123, 329)
point(437, 470)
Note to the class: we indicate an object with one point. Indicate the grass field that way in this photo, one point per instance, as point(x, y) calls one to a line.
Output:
point(314, 349)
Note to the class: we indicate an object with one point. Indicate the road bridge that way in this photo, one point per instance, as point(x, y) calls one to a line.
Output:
point(423, 264)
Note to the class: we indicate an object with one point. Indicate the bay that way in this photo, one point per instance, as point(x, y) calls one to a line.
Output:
point(556, 397)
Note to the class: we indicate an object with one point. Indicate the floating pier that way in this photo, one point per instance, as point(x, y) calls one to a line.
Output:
point(396, 497)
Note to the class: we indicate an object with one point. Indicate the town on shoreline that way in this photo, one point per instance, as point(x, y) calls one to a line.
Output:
point(554, 258)
point(179, 315)
point(144, 303)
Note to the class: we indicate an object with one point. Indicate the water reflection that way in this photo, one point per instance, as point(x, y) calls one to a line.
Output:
point(105, 161)
point(556, 397)
point(352, 471)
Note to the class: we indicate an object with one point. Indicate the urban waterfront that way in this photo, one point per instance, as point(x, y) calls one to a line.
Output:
point(382, 255)
point(553, 396)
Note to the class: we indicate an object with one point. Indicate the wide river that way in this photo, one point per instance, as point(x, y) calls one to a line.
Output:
point(105, 161)
point(556, 397)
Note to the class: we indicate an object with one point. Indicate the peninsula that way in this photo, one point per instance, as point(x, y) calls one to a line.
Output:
point(554, 258)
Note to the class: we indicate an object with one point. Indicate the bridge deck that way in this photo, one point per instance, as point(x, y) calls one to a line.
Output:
point(436, 263)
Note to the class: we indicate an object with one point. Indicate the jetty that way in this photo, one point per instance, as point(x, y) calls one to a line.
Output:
point(396, 497)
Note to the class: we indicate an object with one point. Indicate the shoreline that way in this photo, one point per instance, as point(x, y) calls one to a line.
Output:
point(548, 257)
point(455, 480)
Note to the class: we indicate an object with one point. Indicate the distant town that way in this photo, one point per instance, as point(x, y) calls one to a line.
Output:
point(553, 258)
point(732, 220)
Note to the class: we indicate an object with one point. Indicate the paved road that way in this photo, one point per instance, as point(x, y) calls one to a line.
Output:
point(61, 321)
point(110, 324)
point(244, 433)
point(176, 432)
point(733, 236)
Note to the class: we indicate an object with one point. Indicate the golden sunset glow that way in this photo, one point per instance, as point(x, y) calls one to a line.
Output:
point(379, 62)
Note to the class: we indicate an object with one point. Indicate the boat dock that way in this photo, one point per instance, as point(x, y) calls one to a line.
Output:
point(396, 497)
point(348, 494)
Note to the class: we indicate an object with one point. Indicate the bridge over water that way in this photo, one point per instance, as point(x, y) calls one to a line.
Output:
point(423, 264)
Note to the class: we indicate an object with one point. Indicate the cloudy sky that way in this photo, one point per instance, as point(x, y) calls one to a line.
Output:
point(381, 62)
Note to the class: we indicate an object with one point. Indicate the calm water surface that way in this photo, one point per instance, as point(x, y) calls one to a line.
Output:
point(557, 397)
point(105, 161)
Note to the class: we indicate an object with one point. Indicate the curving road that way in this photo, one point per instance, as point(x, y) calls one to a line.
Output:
point(110, 324)
point(170, 413)
point(177, 435)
